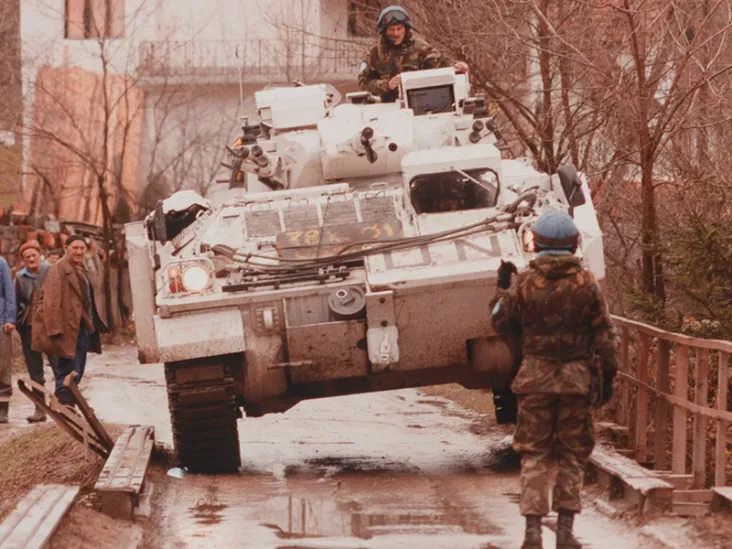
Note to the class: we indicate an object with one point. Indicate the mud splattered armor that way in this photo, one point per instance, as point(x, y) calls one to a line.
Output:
point(385, 60)
point(559, 310)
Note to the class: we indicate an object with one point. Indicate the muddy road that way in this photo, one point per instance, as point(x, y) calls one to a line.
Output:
point(390, 470)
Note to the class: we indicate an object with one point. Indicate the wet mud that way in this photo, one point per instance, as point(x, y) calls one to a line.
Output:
point(387, 470)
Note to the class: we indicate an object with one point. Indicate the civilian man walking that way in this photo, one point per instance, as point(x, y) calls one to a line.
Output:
point(28, 281)
point(67, 324)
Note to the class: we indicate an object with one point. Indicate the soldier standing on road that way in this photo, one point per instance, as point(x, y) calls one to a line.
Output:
point(67, 325)
point(29, 280)
point(7, 321)
point(399, 50)
point(558, 308)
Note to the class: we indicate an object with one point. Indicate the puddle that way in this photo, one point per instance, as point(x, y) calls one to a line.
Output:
point(208, 511)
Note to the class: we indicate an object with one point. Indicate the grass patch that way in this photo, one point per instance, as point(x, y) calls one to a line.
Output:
point(478, 400)
point(45, 455)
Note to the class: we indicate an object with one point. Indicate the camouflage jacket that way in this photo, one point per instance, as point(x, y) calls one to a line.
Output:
point(558, 308)
point(384, 61)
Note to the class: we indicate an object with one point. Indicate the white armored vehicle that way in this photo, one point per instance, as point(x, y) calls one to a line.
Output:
point(365, 263)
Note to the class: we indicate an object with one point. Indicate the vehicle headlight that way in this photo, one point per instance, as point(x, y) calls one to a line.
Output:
point(195, 278)
point(189, 276)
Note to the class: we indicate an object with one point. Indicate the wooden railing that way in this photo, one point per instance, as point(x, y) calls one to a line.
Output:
point(648, 358)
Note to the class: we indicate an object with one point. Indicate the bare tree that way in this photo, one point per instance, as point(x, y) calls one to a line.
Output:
point(90, 147)
point(609, 86)
point(316, 40)
point(10, 105)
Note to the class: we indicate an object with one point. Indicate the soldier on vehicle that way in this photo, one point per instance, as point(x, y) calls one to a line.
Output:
point(399, 50)
point(558, 310)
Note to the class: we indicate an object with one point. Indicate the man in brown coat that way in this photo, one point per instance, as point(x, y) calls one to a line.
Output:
point(67, 321)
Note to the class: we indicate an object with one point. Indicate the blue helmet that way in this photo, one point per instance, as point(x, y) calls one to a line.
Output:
point(393, 15)
point(555, 231)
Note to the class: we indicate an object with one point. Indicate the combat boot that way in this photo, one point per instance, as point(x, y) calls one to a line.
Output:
point(532, 538)
point(4, 411)
point(565, 525)
point(37, 417)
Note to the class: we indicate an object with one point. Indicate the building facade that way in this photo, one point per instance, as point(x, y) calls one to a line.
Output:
point(172, 79)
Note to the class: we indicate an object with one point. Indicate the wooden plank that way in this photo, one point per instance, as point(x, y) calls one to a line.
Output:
point(720, 453)
point(641, 402)
point(693, 496)
point(86, 410)
point(618, 465)
point(651, 331)
point(37, 516)
point(624, 404)
point(722, 498)
point(663, 384)
point(701, 398)
point(69, 422)
point(681, 390)
point(122, 478)
point(690, 509)
point(627, 479)
point(679, 482)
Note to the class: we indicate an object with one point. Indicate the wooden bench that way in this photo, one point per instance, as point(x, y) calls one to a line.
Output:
point(721, 498)
point(123, 476)
point(37, 516)
point(626, 479)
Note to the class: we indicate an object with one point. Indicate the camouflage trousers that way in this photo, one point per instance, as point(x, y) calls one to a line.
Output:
point(553, 429)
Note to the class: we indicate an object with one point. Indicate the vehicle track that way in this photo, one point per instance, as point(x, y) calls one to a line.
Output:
point(203, 414)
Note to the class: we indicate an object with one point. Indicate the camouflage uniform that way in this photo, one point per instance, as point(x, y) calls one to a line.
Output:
point(385, 60)
point(558, 308)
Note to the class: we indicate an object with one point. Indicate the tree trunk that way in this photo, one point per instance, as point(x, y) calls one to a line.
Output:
point(546, 116)
point(108, 248)
point(653, 282)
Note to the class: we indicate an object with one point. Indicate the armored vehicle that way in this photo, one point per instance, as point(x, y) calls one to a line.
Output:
point(354, 249)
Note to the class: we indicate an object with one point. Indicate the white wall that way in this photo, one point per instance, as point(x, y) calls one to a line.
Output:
point(198, 25)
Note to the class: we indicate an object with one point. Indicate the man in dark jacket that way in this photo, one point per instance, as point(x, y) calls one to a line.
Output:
point(67, 325)
point(7, 322)
point(559, 311)
point(399, 50)
point(28, 281)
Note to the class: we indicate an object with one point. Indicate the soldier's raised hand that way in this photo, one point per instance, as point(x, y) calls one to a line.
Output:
point(505, 271)
point(394, 82)
point(460, 67)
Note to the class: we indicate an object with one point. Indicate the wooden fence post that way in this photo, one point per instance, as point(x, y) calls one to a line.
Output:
point(641, 413)
point(663, 385)
point(623, 417)
point(721, 449)
point(681, 390)
point(699, 457)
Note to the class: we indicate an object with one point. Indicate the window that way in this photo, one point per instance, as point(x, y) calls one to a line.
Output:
point(95, 19)
point(454, 191)
point(431, 100)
